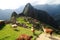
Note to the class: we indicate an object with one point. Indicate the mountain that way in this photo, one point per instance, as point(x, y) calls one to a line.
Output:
point(14, 14)
point(53, 10)
point(41, 15)
point(5, 14)
point(13, 17)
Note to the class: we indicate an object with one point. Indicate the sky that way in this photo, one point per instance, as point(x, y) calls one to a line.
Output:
point(14, 4)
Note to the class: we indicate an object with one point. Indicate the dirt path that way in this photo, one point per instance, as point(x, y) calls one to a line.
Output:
point(43, 36)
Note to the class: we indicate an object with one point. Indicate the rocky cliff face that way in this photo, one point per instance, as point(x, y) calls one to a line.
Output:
point(41, 15)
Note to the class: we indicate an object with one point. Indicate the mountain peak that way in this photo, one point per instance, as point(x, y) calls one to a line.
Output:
point(27, 8)
point(28, 5)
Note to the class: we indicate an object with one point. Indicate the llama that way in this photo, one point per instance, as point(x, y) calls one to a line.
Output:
point(48, 30)
point(24, 37)
point(33, 30)
point(14, 26)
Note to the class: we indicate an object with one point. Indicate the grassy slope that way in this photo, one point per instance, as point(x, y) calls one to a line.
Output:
point(8, 33)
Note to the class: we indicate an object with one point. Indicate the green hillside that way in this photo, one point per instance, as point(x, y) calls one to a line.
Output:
point(9, 33)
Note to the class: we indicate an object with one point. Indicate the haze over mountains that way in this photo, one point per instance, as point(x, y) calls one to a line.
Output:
point(5, 14)
point(53, 10)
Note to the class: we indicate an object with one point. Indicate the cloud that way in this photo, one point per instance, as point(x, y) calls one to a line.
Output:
point(42, 2)
point(13, 4)
point(47, 2)
point(53, 2)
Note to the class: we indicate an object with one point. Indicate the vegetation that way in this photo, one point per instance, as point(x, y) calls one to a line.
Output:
point(9, 33)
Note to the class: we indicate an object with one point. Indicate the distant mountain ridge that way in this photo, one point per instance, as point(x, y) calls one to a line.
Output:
point(53, 10)
point(5, 14)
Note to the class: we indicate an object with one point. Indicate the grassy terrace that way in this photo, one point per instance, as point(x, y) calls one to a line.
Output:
point(8, 33)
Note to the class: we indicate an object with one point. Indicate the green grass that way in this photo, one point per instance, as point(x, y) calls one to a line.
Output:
point(21, 20)
point(8, 33)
